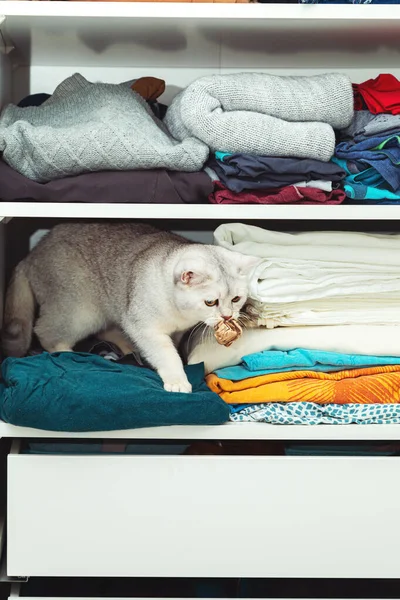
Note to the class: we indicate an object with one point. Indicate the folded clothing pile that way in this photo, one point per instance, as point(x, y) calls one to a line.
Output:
point(319, 278)
point(98, 143)
point(326, 329)
point(71, 391)
point(250, 179)
point(276, 376)
point(370, 148)
point(370, 385)
point(256, 124)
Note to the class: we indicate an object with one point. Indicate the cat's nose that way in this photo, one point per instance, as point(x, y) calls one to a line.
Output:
point(226, 317)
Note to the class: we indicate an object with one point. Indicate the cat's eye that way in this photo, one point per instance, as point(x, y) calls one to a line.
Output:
point(211, 302)
point(236, 299)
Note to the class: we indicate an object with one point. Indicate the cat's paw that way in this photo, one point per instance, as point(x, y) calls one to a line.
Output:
point(182, 386)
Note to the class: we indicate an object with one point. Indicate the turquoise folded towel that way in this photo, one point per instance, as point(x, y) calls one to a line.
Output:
point(279, 361)
point(69, 391)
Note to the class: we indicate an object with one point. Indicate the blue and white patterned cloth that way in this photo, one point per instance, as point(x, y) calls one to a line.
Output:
point(309, 413)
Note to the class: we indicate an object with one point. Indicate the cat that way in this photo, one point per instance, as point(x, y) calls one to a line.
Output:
point(146, 284)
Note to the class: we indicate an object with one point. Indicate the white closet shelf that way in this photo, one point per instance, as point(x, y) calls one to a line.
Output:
point(229, 431)
point(112, 33)
point(22, 12)
point(197, 211)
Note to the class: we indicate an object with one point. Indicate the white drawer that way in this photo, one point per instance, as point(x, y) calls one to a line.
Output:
point(203, 516)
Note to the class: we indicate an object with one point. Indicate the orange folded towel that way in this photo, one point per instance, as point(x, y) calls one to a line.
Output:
point(373, 385)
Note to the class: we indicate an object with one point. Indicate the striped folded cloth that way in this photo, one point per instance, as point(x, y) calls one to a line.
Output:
point(373, 385)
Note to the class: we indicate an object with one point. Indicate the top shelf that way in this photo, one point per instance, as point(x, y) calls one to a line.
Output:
point(19, 12)
point(204, 36)
point(116, 41)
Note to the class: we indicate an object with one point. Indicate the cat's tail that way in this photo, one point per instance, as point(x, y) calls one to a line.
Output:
point(19, 314)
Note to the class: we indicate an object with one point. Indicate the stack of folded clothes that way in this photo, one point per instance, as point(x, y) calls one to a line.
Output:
point(96, 142)
point(271, 137)
point(307, 375)
point(327, 380)
point(319, 278)
point(243, 138)
point(325, 344)
point(250, 179)
point(369, 151)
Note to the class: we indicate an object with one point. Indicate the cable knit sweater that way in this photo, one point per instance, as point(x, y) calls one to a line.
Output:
point(263, 114)
point(87, 127)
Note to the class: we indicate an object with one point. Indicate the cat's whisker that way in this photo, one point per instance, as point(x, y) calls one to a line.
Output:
point(207, 332)
point(244, 318)
point(195, 329)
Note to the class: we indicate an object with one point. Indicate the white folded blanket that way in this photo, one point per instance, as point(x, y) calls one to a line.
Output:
point(354, 310)
point(367, 340)
point(320, 278)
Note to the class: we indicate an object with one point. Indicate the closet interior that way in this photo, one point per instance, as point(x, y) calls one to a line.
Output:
point(222, 501)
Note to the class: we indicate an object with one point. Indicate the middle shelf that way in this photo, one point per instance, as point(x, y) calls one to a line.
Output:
point(198, 211)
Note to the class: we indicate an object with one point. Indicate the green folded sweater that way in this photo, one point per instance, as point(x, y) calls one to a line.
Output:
point(70, 391)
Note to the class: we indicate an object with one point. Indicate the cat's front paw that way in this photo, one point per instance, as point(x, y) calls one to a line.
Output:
point(182, 386)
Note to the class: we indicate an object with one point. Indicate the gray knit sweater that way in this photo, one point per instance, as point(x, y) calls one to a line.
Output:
point(87, 127)
point(263, 114)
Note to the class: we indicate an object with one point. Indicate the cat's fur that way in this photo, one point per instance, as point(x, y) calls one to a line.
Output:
point(86, 278)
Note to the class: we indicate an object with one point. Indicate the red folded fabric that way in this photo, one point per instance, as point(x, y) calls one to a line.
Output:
point(380, 95)
point(286, 195)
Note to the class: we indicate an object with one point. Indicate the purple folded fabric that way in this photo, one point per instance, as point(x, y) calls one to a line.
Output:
point(125, 187)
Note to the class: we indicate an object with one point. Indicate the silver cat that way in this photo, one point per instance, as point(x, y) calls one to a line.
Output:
point(128, 283)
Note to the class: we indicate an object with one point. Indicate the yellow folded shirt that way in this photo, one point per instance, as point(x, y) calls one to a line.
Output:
point(373, 385)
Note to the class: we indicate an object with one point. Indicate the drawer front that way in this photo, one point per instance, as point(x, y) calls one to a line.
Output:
point(203, 516)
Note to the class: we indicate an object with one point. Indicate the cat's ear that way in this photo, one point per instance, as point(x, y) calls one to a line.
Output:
point(191, 271)
point(246, 264)
point(192, 278)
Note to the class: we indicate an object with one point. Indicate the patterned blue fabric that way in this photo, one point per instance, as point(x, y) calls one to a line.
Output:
point(382, 153)
point(309, 413)
point(358, 191)
point(278, 361)
point(365, 184)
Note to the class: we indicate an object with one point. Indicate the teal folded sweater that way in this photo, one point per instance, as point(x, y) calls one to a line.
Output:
point(70, 391)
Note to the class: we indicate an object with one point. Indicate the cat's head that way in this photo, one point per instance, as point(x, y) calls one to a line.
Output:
point(211, 284)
